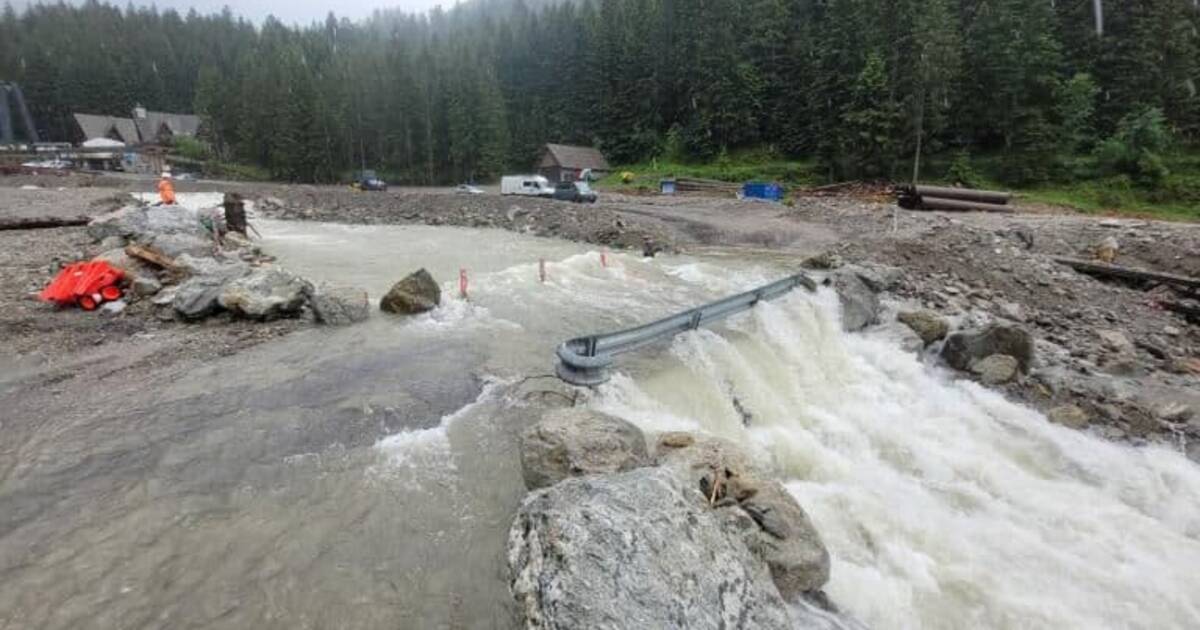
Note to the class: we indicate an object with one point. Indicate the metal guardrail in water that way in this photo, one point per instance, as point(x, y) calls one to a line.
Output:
point(585, 361)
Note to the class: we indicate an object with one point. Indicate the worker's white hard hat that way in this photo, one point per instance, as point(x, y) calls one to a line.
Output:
point(166, 175)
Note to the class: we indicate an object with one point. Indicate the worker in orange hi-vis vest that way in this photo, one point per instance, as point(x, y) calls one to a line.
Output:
point(166, 190)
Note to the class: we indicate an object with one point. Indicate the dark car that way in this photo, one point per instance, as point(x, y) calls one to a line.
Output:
point(578, 192)
point(368, 180)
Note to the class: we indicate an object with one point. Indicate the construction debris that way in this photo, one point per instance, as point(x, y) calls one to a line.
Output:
point(952, 199)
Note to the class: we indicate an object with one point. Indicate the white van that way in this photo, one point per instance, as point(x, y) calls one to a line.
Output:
point(526, 185)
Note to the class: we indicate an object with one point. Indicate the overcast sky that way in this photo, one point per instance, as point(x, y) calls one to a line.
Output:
point(301, 11)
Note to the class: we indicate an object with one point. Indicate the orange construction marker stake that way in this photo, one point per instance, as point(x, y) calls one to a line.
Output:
point(604, 258)
point(462, 283)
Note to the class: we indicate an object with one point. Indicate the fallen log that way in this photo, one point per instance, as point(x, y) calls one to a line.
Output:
point(950, 205)
point(1189, 312)
point(1094, 268)
point(152, 256)
point(963, 194)
point(41, 223)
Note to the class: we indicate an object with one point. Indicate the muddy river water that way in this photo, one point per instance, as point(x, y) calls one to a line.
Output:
point(365, 477)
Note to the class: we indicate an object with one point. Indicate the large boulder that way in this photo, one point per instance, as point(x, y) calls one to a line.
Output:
point(142, 223)
point(963, 349)
point(174, 245)
point(337, 305)
point(860, 303)
point(786, 539)
point(266, 294)
point(199, 297)
point(635, 550)
point(209, 266)
point(417, 293)
point(778, 531)
point(574, 442)
point(926, 324)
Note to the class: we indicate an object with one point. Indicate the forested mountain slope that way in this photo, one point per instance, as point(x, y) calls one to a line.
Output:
point(465, 93)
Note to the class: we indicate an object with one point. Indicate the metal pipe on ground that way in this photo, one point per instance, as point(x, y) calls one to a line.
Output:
point(963, 194)
point(958, 205)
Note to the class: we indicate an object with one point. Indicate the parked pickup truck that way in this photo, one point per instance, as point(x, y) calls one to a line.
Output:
point(578, 192)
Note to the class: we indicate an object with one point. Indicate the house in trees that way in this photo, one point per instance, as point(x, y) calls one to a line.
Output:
point(161, 128)
point(563, 163)
point(143, 128)
point(92, 127)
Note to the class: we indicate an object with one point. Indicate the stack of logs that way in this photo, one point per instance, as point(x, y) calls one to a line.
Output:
point(952, 199)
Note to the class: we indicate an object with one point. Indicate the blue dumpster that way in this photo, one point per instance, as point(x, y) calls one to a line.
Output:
point(759, 190)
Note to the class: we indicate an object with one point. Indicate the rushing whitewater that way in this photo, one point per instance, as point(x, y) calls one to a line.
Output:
point(944, 505)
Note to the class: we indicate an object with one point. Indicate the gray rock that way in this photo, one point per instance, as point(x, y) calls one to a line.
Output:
point(879, 278)
point(132, 267)
point(928, 326)
point(634, 550)
point(175, 245)
point(696, 461)
point(787, 540)
point(143, 223)
point(905, 337)
point(963, 349)
point(165, 297)
point(112, 309)
point(199, 297)
point(675, 439)
point(266, 294)
point(860, 304)
point(145, 286)
point(1069, 416)
point(824, 261)
point(996, 369)
point(337, 305)
point(1116, 341)
point(783, 536)
point(573, 442)
point(417, 293)
point(209, 266)
point(1013, 311)
point(112, 242)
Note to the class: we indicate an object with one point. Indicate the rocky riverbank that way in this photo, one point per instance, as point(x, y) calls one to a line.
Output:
point(1101, 356)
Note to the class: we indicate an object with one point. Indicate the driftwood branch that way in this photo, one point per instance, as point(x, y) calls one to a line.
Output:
point(41, 223)
point(152, 256)
point(1128, 273)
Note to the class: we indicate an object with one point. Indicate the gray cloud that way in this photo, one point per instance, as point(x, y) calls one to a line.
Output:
point(290, 11)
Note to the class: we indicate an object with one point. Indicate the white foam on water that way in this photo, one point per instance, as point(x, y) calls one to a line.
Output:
point(427, 451)
point(943, 504)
